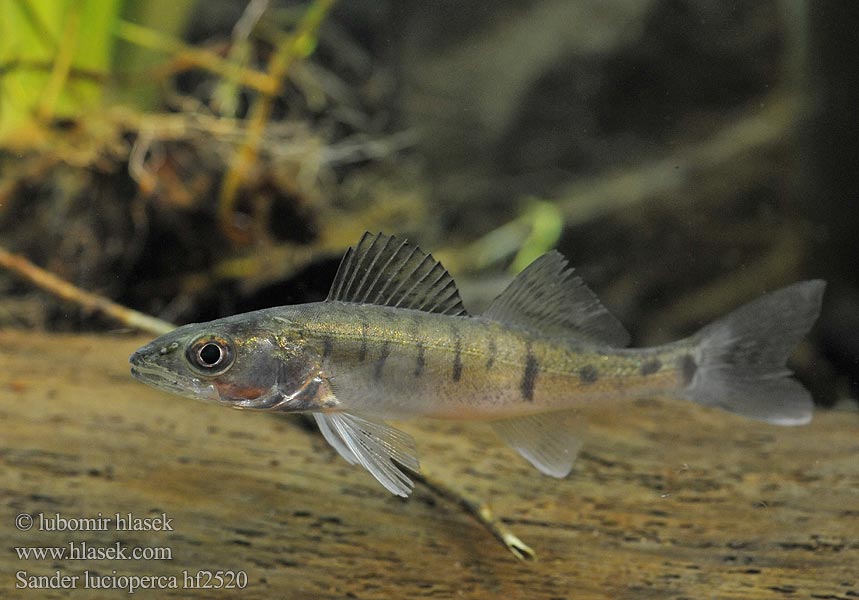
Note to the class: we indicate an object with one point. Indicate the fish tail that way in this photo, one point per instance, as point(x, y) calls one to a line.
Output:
point(739, 362)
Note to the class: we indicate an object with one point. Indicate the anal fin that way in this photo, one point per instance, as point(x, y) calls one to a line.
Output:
point(549, 441)
point(376, 446)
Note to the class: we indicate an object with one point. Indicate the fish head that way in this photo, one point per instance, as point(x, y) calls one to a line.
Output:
point(246, 361)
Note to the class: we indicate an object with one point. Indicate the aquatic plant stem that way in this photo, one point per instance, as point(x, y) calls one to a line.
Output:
point(188, 56)
point(297, 46)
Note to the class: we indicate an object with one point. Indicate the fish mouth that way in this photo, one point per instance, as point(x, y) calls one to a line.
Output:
point(166, 381)
point(156, 378)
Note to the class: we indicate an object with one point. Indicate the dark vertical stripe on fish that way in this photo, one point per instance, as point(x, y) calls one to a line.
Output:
point(420, 361)
point(529, 375)
point(327, 348)
point(380, 362)
point(588, 374)
point(650, 367)
point(365, 330)
point(456, 374)
point(420, 358)
point(491, 352)
point(688, 368)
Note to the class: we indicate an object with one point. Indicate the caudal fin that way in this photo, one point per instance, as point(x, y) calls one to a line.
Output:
point(741, 358)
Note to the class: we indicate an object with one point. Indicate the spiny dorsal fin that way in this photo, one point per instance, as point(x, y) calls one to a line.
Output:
point(549, 441)
point(389, 271)
point(547, 298)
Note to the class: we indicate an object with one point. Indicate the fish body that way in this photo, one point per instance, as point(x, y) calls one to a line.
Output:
point(401, 363)
point(393, 341)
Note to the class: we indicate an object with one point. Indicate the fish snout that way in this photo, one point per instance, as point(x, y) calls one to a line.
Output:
point(136, 358)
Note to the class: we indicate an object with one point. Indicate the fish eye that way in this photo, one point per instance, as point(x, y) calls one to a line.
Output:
point(210, 354)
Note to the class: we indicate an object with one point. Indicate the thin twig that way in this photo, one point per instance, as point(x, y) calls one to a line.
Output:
point(481, 512)
point(37, 24)
point(62, 65)
point(226, 94)
point(295, 47)
point(92, 302)
point(189, 56)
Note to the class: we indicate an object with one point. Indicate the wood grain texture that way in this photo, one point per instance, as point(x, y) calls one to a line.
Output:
point(666, 501)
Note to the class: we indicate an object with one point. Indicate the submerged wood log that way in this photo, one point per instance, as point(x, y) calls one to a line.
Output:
point(667, 500)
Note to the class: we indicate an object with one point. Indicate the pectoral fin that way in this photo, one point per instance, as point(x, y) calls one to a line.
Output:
point(549, 441)
point(333, 438)
point(378, 447)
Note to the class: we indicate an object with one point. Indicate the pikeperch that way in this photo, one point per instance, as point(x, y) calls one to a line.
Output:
point(393, 341)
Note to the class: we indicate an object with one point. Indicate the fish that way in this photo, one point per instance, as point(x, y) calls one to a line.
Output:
point(393, 341)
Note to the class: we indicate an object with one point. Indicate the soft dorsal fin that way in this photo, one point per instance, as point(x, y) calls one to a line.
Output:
point(549, 441)
point(547, 298)
point(389, 271)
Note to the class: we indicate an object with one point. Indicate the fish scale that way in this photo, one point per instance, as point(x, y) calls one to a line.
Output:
point(393, 341)
point(378, 364)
